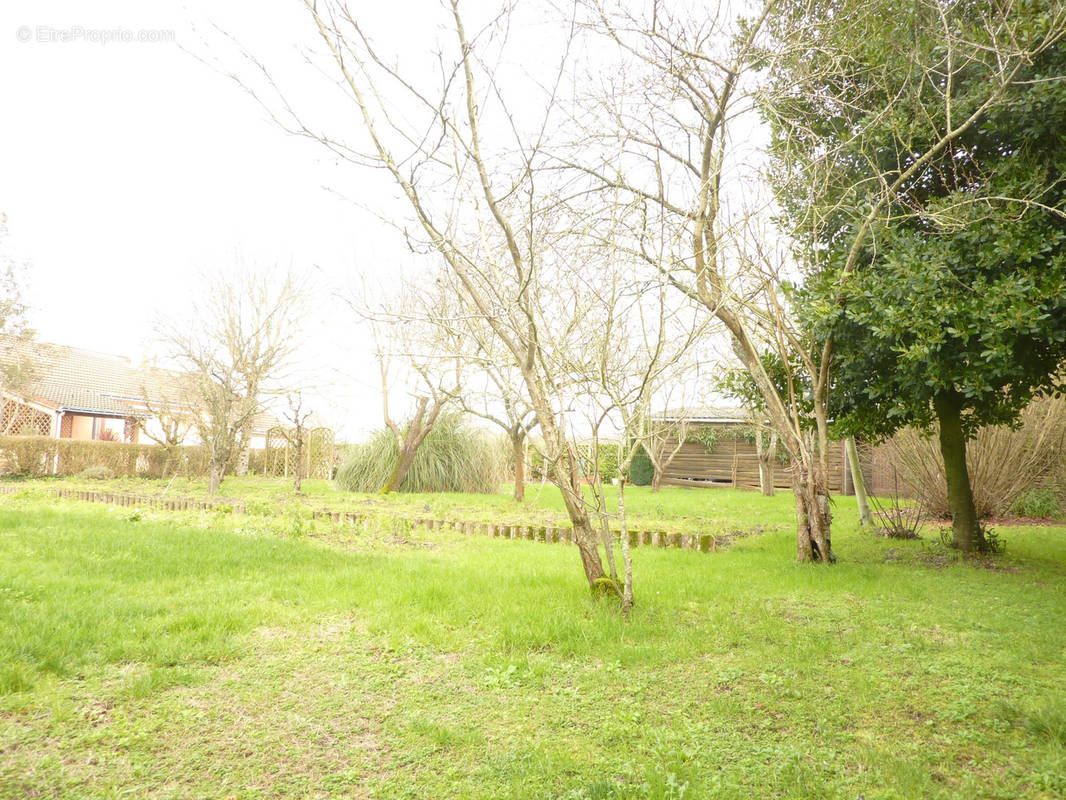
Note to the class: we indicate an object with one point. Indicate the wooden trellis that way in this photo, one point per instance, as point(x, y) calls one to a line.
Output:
point(19, 419)
point(318, 453)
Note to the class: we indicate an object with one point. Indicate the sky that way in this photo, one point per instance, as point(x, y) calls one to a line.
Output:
point(130, 170)
point(134, 169)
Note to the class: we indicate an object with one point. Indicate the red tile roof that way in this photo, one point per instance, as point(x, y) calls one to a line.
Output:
point(74, 379)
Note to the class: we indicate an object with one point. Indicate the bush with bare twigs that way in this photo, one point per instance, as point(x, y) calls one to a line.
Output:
point(1004, 462)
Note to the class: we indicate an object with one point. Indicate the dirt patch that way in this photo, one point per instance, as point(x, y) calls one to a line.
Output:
point(1025, 522)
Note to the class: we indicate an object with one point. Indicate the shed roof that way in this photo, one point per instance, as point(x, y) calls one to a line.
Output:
point(705, 414)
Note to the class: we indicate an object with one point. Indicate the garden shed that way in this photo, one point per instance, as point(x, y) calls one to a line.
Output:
point(719, 451)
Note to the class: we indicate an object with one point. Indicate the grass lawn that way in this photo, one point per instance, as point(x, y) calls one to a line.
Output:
point(672, 509)
point(152, 654)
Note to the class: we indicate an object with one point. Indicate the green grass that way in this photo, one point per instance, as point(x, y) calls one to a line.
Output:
point(672, 509)
point(216, 655)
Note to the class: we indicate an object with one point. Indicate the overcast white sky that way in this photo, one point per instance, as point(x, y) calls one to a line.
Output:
point(128, 168)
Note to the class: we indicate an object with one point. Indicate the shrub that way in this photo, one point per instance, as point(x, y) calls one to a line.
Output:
point(1037, 503)
point(641, 470)
point(608, 460)
point(1004, 462)
point(28, 456)
point(41, 455)
point(98, 473)
point(454, 457)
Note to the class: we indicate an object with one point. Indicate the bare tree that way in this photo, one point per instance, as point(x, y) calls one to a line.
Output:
point(665, 134)
point(638, 346)
point(296, 436)
point(491, 386)
point(416, 352)
point(17, 368)
point(169, 420)
point(506, 406)
point(663, 440)
point(476, 203)
point(238, 348)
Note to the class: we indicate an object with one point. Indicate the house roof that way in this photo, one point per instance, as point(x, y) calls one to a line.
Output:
point(706, 414)
point(73, 379)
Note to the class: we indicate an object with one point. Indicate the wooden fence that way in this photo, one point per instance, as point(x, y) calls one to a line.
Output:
point(700, 542)
point(733, 462)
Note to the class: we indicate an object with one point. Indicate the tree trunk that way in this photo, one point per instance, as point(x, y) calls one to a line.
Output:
point(244, 452)
point(566, 474)
point(967, 532)
point(568, 480)
point(518, 451)
point(766, 457)
point(656, 479)
point(403, 465)
point(605, 528)
point(214, 479)
point(627, 558)
point(812, 515)
point(299, 471)
point(587, 546)
point(417, 431)
point(859, 482)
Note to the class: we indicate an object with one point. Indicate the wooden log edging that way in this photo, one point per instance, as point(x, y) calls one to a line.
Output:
point(547, 534)
point(125, 499)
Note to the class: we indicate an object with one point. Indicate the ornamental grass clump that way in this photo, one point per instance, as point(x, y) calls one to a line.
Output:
point(455, 457)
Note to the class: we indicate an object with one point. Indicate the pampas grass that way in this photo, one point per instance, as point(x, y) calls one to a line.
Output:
point(455, 457)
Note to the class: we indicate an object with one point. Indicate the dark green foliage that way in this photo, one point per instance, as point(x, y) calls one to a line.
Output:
point(1037, 503)
point(707, 435)
point(455, 457)
point(957, 288)
point(955, 309)
point(608, 460)
point(641, 470)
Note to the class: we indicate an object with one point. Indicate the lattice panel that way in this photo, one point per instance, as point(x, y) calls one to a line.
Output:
point(319, 453)
point(317, 456)
point(19, 419)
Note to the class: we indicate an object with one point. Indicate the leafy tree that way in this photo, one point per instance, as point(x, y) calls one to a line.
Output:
point(946, 307)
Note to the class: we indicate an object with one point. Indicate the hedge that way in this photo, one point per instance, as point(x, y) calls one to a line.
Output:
point(608, 460)
point(41, 455)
